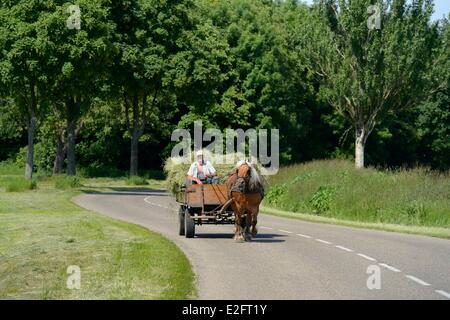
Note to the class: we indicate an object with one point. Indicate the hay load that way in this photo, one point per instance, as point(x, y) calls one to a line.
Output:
point(177, 167)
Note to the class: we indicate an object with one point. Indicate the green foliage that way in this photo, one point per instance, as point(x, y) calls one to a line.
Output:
point(275, 193)
point(44, 156)
point(67, 182)
point(322, 199)
point(311, 72)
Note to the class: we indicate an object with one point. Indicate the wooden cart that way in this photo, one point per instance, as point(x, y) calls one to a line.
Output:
point(203, 204)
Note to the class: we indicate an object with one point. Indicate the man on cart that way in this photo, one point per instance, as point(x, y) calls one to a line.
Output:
point(202, 171)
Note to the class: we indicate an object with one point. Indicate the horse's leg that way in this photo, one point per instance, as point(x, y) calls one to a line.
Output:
point(247, 234)
point(255, 221)
point(238, 232)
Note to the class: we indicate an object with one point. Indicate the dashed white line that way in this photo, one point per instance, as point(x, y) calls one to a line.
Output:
point(285, 231)
point(304, 235)
point(389, 267)
point(323, 241)
point(443, 293)
point(268, 228)
point(419, 281)
point(366, 257)
point(344, 248)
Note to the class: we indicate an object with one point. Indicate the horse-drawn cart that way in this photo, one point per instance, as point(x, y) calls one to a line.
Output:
point(203, 204)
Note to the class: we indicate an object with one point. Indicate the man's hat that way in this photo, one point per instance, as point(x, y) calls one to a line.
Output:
point(199, 153)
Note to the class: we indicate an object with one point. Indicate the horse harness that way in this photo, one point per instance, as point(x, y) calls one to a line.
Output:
point(241, 187)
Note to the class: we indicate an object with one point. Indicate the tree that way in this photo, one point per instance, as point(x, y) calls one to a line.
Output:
point(434, 112)
point(78, 63)
point(370, 72)
point(251, 71)
point(147, 36)
point(23, 65)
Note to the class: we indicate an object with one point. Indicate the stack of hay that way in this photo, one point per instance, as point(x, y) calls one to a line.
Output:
point(176, 168)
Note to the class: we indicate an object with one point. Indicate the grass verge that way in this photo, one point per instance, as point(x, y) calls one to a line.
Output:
point(42, 233)
point(333, 191)
point(420, 230)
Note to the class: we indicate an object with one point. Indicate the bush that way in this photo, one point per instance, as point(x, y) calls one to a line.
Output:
point(273, 196)
point(136, 181)
point(67, 182)
point(43, 157)
point(322, 199)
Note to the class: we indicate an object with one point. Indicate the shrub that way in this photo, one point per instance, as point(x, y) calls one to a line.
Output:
point(274, 194)
point(322, 199)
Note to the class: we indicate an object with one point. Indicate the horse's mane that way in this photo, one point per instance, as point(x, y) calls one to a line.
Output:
point(255, 181)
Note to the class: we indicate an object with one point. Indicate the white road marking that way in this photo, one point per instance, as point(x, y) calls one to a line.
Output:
point(285, 231)
point(366, 257)
point(419, 281)
point(268, 228)
point(304, 236)
point(389, 267)
point(158, 205)
point(344, 248)
point(323, 241)
point(442, 292)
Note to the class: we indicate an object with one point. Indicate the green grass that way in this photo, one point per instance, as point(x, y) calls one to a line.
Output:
point(66, 182)
point(42, 233)
point(16, 183)
point(136, 181)
point(333, 189)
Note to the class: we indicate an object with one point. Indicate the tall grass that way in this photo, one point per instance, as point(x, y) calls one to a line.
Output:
point(10, 168)
point(16, 183)
point(136, 181)
point(334, 188)
point(67, 182)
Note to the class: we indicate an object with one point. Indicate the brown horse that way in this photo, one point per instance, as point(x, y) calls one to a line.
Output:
point(246, 189)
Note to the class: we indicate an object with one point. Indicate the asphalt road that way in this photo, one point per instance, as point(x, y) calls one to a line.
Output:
point(291, 259)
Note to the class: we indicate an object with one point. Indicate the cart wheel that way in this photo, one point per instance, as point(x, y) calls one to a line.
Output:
point(189, 225)
point(181, 230)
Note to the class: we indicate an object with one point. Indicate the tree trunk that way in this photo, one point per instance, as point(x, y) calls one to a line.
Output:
point(73, 105)
point(360, 142)
point(135, 135)
point(134, 160)
point(31, 127)
point(60, 153)
point(71, 143)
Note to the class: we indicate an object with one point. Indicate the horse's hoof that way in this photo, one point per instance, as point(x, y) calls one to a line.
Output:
point(239, 239)
point(248, 237)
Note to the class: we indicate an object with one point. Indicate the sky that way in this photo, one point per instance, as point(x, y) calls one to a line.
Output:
point(441, 8)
